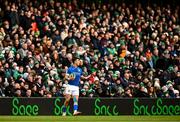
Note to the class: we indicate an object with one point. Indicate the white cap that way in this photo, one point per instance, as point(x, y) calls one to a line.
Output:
point(176, 91)
point(164, 88)
point(96, 79)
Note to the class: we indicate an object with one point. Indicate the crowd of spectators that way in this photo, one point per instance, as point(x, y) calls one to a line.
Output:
point(125, 50)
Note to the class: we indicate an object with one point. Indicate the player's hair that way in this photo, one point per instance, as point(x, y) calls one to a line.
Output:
point(75, 58)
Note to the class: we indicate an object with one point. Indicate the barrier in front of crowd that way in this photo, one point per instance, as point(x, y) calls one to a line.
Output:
point(90, 106)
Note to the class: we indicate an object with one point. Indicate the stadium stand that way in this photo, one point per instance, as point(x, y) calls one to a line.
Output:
point(127, 48)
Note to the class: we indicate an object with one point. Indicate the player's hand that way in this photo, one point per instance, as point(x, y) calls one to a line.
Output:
point(71, 76)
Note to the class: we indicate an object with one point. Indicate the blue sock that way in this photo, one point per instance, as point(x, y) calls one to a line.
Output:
point(64, 109)
point(75, 104)
point(75, 107)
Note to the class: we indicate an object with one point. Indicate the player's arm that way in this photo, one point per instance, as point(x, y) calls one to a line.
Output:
point(67, 77)
point(85, 77)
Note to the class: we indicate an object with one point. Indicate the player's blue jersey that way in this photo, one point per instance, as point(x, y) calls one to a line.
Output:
point(77, 72)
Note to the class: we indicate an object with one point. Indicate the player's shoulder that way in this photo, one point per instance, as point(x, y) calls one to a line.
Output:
point(71, 67)
point(79, 69)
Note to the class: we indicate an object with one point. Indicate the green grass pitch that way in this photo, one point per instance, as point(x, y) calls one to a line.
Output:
point(90, 119)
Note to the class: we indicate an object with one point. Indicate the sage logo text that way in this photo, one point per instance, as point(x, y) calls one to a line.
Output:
point(104, 109)
point(23, 109)
point(157, 109)
point(58, 108)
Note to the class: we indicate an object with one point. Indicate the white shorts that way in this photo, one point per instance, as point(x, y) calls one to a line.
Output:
point(72, 90)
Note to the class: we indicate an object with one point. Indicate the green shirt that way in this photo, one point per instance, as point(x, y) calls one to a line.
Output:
point(112, 51)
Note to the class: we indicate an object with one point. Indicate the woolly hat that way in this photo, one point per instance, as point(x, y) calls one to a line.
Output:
point(164, 89)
